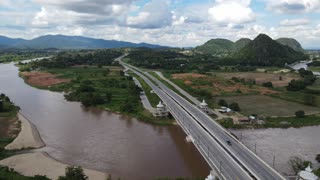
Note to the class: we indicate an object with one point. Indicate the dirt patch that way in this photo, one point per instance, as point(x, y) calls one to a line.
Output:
point(43, 79)
point(263, 77)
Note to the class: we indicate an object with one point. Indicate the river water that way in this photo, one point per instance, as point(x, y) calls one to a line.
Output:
point(276, 146)
point(101, 140)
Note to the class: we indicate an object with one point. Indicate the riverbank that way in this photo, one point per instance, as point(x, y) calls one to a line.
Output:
point(37, 163)
point(27, 138)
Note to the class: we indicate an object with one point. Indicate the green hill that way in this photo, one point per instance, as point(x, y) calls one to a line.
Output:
point(294, 44)
point(241, 43)
point(215, 46)
point(264, 51)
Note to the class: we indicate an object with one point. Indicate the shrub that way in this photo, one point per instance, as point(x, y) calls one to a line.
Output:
point(74, 173)
point(223, 102)
point(267, 84)
point(234, 106)
point(300, 114)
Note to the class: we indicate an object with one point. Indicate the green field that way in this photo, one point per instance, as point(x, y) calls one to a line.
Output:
point(268, 106)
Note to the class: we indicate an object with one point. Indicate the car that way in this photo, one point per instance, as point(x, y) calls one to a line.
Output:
point(229, 143)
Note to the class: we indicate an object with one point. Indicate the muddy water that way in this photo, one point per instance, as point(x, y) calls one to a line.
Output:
point(102, 140)
point(277, 146)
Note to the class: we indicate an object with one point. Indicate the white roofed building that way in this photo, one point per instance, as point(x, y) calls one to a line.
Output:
point(307, 174)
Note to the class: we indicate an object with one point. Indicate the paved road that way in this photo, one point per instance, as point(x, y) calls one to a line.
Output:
point(248, 161)
point(194, 100)
point(216, 156)
point(259, 168)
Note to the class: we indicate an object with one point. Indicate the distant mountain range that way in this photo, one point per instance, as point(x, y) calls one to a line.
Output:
point(68, 42)
point(218, 46)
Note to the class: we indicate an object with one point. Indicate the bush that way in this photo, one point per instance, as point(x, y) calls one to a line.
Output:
point(267, 84)
point(223, 102)
point(234, 106)
point(300, 114)
point(74, 173)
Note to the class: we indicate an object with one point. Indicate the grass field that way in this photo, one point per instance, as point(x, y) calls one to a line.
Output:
point(268, 106)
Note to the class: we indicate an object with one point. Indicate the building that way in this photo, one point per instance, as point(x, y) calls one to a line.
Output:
point(307, 174)
point(161, 110)
point(204, 106)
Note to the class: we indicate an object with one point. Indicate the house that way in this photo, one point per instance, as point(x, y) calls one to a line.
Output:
point(307, 174)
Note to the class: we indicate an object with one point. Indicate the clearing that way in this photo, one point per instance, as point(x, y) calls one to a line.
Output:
point(42, 79)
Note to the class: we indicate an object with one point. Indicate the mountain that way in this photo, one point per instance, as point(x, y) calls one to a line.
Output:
point(241, 43)
point(68, 42)
point(7, 42)
point(294, 44)
point(215, 46)
point(265, 51)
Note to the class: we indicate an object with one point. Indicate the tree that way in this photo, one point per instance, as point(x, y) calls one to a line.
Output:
point(223, 102)
point(296, 164)
point(1, 106)
point(74, 173)
point(300, 114)
point(280, 78)
point(234, 106)
point(296, 85)
point(267, 84)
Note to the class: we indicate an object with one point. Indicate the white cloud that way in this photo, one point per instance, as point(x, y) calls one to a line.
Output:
point(294, 22)
point(293, 6)
point(155, 14)
point(232, 12)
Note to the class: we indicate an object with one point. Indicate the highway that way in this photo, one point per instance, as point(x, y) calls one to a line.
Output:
point(211, 136)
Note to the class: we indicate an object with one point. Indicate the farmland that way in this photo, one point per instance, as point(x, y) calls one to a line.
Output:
point(277, 79)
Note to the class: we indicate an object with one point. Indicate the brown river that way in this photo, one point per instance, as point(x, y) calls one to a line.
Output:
point(131, 149)
point(101, 140)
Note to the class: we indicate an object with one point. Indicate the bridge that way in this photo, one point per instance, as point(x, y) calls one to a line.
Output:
point(228, 157)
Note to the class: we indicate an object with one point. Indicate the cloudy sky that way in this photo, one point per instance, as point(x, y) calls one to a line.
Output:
point(180, 23)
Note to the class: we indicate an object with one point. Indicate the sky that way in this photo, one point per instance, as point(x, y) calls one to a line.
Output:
point(179, 23)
